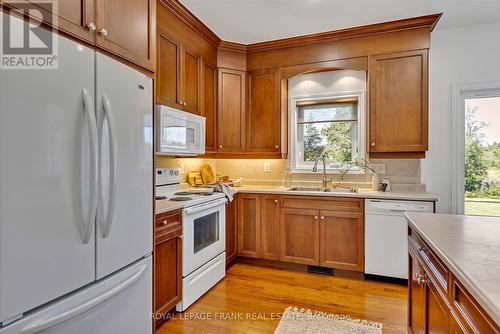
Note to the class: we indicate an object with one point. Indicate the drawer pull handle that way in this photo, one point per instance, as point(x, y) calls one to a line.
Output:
point(164, 222)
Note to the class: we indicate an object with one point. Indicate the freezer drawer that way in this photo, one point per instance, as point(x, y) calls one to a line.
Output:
point(119, 304)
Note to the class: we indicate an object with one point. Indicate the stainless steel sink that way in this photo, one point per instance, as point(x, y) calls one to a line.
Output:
point(328, 190)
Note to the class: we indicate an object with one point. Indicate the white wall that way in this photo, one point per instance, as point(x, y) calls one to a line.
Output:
point(460, 55)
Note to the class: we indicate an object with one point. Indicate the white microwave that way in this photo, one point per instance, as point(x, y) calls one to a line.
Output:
point(179, 132)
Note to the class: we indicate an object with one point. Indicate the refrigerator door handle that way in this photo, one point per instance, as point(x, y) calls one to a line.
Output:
point(85, 231)
point(85, 306)
point(106, 220)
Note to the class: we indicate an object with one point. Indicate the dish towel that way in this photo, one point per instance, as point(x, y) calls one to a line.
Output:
point(226, 189)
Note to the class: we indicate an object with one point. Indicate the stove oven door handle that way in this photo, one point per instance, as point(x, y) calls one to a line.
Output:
point(206, 206)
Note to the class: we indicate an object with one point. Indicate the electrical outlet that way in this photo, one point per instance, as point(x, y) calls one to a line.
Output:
point(267, 167)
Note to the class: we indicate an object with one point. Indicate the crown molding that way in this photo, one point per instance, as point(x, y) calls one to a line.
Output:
point(231, 46)
point(429, 21)
point(187, 17)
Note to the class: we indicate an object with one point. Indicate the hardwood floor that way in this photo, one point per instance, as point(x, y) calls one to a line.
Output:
point(252, 297)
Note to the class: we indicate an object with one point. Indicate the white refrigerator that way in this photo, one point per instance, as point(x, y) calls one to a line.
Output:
point(76, 189)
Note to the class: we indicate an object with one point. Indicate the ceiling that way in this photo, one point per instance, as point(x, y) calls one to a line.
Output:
point(251, 21)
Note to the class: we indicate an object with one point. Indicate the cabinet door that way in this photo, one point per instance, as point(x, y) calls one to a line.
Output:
point(168, 270)
point(398, 102)
point(248, 225)
point(416, 296)
point(263, 117)
point(190, 69)
point(168, 71)
point(342, 240)
point(231, 111)
point(299, 234)
point(209, 105)
point(269, 225)
point(74, 17)
point(231, 230)
point(127, 28)
point(437, 312)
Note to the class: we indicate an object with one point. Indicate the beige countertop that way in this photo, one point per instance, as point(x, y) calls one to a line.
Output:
point(470, 247)
point(165, 205)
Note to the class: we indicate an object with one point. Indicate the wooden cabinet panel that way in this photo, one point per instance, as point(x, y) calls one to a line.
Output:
point(398, 110)
point(231, 111)
point(416, 296)
point(168, 71)
point(263, 115)
point(127, 28)
point(231, 230)
point(191, 65)
point(341, 204)
point(249, 225)
point(209, 105)
point(456, 327)
point(167, 270)
point(270, 218)
point(436, 310)
point(299, 234)
point(341, 240)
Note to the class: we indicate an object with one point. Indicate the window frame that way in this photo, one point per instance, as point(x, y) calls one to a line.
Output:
point(294, 144)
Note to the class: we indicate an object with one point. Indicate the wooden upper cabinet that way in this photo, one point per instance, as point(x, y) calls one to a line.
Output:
point(299, 236)
point(249, 225)
point(127, 28)
point(263, 116)
point(398, 109)
point(269, 227)
point(168, 71)
point(231, 111)
point(342, 240)
point(191, 80)
point(209, 104)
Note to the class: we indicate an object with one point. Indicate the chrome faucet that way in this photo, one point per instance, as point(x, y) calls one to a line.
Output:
point(315, 169)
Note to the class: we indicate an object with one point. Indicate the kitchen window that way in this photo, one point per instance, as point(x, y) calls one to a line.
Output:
point(331, 127)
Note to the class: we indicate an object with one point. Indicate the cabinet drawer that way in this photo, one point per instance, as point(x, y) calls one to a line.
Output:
point(167, 221)
point(431, 261)
point(339, 204)
point(469, 312)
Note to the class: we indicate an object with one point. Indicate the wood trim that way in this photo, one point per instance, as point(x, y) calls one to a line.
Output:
point(396, 155)
point(357, 64)
point(187, 17)
point(231, 46)
point(243, 155)
point(371, 29)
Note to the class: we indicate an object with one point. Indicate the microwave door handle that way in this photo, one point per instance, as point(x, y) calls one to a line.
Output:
point(106, 220)
point(195, 209)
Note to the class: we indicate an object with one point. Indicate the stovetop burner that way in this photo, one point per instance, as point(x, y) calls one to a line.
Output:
point(180, 199)
point(160, 197)
point(201, 193)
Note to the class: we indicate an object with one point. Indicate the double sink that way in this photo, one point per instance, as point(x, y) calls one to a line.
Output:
point(325, 190)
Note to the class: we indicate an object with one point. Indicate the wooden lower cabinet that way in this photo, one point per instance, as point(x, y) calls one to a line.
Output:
point(299, 236)
point(431, 309)
point(231, 230)
point(270, 225)
point(167, 262)
point(342, 240)
point(249, 225)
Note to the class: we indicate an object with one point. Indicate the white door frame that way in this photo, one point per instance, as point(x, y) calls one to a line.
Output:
point(461, 92)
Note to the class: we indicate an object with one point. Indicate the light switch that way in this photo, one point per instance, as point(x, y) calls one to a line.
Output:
point(267, 167)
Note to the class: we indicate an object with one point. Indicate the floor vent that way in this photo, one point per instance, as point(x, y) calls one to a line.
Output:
point(320, 270)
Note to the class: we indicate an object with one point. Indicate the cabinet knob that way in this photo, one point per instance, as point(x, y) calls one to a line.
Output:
point(185, 104)
point(220, 146)
point(373, 144)
point(420, 278)
point(315, 217)
point(276, 146)
point(91, 26)
point(275, 201)
point(322, 217)
point(103, 32)
point(164, 222)
point(181, 236)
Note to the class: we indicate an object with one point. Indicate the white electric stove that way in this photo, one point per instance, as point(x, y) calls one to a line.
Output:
point(204, 234)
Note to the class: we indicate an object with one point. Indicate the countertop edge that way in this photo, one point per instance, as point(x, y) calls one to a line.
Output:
point(482, 299)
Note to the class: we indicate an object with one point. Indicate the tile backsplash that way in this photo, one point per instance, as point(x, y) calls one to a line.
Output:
point(404, 174)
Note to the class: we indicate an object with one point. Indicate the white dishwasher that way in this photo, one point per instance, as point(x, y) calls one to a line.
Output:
point(386, 236)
